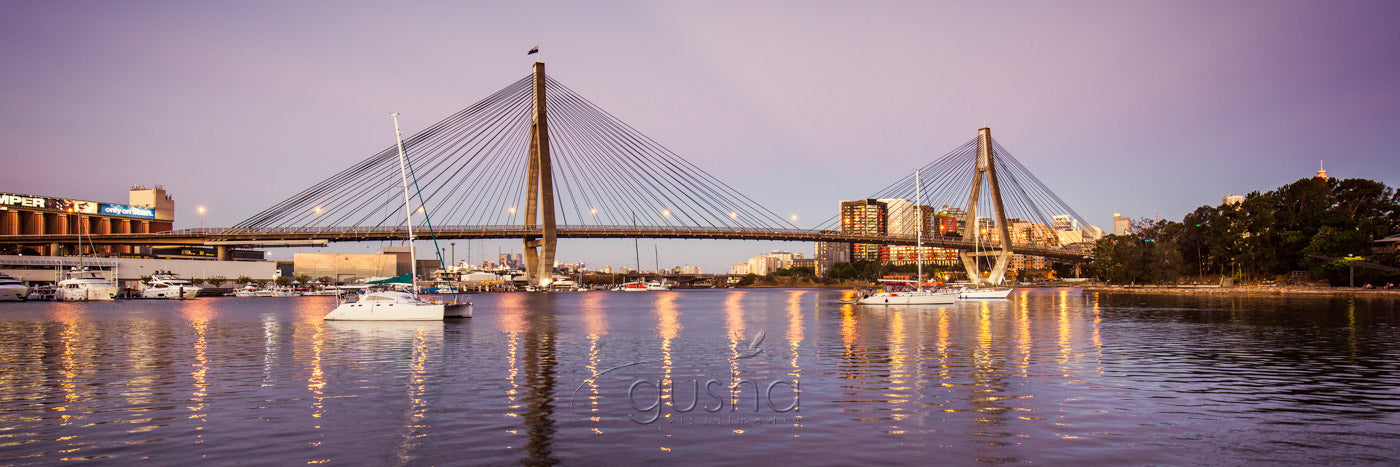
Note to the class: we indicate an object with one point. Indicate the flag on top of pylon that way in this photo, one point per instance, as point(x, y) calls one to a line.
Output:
point(533, 51)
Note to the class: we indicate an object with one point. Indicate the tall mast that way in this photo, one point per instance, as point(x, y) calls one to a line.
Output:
point(919, 228)
point(407, 209)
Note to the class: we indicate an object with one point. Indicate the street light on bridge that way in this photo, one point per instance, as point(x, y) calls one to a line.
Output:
point(201, 216)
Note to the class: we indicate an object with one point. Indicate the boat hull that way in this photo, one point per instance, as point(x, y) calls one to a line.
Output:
point(171, 293)
point(395, 311)
point(13, 293)
point(910, 298)
point(984, 294)
point(88, 293)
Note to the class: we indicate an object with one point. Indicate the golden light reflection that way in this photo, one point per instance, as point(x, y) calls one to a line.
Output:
point(668, 326)
point(734, 325)
point(795, 336)
point(1066, 344)
point(941, 345)
point(897, 395)
point(417, 387)
point(316, 384)
point(67, 363)
point(983, 356)
point(513, 376)
point(595, 324)
point(199, 313)
point(1023, 325)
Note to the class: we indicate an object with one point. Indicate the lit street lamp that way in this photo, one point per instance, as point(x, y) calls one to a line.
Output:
point(201, 217)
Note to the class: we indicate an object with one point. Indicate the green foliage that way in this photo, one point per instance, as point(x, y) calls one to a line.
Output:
point(794, 271)
point(747, 280)
point(283, 281)
point(1269, 234)
point(197, 281)
point(242, 280)
point(217, 281)
point(303, 278)
point(325, 279)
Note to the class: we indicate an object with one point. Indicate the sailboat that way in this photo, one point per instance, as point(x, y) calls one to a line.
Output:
point(918, 296)
point(394, 305)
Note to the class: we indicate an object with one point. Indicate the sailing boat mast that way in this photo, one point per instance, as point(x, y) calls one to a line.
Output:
point(919, 229)
point(408, 210)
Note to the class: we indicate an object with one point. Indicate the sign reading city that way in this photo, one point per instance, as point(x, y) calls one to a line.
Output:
point(127, 211)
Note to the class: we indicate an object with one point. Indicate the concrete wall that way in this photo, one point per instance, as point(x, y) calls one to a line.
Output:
point(131, 269)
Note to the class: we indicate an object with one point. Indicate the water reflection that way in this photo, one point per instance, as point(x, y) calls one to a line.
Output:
point(1049, 376)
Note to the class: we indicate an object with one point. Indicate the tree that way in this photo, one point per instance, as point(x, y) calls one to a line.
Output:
point(303, 278)
point(217, 281)
point(283, 281)
point(324, 279)
point(197, 281)
point(242, 280)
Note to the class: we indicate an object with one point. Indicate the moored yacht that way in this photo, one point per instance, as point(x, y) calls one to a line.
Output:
point(169, 286)
point(12, 289)
point(84, 284)
point(393, 305)
point(918, 296)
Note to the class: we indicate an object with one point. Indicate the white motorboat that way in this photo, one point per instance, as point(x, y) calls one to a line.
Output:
point(392, 305)
point(248, 291)
point(43, 292)
point(984, 294)
point(658, 286)
point(169, 286)
point(84, 284)
point(276, 292)
point(633, 287)
point(12, 289)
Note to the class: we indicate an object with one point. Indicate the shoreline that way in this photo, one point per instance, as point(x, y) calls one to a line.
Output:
point(1248, 290)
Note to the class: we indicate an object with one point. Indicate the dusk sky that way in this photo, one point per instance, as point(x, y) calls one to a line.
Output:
point(1143, 108)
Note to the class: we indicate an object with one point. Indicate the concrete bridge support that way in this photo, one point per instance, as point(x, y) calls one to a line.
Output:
point(986, 164)
point(539, 195)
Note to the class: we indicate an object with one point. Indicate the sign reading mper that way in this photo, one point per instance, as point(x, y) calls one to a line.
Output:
point(128, 211)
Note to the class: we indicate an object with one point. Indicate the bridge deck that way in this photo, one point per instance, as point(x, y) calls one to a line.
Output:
point(292, 237)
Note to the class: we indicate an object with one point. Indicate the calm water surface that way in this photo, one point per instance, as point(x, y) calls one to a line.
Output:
point(723, 376)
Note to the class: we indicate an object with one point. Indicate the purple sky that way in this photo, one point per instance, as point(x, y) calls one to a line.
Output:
point(1134, 107)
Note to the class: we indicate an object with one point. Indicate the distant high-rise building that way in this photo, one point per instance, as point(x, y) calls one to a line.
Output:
point(1064, 222)
point(830, 253)
point(1231, 199)
point(1122, 225)
point(959, 216)
point(866, 217)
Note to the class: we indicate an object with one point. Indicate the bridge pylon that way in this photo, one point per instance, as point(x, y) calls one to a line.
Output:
point(539, 195)
point(986, 164)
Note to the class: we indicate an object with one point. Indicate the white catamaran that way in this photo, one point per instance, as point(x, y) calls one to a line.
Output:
point(391, 305)
point(918, 296)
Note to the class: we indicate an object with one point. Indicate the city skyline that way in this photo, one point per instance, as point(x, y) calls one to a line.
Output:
point(1143, 109)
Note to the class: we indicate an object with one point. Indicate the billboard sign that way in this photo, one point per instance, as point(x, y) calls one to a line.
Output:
point(127, 211)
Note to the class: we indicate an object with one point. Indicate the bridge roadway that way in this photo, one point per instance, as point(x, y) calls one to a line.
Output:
point(287, 237)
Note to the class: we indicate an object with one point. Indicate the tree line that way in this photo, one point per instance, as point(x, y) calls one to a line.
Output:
point(1314, 225)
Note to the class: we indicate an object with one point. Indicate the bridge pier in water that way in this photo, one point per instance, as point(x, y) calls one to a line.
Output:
point(539, 194)
point(986, 164)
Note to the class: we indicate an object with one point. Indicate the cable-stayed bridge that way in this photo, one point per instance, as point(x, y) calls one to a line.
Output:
point(539, 162)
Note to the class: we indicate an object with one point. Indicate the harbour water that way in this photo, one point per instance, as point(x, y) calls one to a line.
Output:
point(715, 376)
